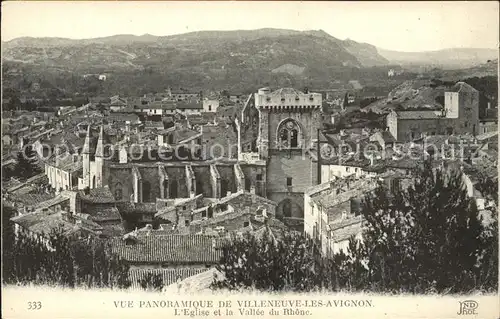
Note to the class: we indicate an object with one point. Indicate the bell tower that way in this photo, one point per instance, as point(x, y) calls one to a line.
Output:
point(289, 122)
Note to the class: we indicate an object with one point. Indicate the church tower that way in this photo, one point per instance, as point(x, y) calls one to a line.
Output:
point(100, 154)
point(86, 159)
point(289, 122)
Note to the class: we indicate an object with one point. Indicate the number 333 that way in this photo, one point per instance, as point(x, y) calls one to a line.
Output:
point(34, 305)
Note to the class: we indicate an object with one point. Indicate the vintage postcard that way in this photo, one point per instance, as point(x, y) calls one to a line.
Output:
point(208, 159)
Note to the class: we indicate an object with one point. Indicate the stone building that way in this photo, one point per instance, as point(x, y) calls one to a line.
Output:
point(274, 134)
point(210, 105)
point(289, 122)
point(332, 210)
point(460, 115)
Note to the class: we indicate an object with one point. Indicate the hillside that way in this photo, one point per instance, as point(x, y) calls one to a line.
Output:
point(367, 54)
point(261, 49)
point(448, 58)
point(204, 60)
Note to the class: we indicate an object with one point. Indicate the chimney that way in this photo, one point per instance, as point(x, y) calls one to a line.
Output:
point(228, 193)
point(489, 105)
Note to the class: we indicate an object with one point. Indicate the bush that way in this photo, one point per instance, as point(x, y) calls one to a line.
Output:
point(426, 238)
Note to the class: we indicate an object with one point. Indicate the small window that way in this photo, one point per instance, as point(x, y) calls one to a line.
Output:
point(204, 213)
point(210, 107)
point(186, 222)
point(183, 207)
point(223, 207)
point(259, 177)
point(288, 181)
point(246, 224)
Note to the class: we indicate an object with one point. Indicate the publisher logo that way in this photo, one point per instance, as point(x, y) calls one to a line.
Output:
point(468, 307)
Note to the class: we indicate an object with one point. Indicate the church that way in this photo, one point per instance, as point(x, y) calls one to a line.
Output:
point(276, 132)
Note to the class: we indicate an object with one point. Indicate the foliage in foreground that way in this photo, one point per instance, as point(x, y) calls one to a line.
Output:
point(151, 282)
point(427, 238)
point(59, 260)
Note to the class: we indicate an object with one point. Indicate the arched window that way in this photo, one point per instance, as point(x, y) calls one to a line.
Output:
point(294, 138)
point(118, 191)
point(93, 182)
point(288, 134)
point(247, 183)
point(146, 191)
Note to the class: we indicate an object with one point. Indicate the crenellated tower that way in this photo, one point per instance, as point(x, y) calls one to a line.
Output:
point(289, 121)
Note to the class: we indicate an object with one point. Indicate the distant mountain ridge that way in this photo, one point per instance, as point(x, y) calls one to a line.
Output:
point(449, 58)
point(346, 52)
point(239, 59)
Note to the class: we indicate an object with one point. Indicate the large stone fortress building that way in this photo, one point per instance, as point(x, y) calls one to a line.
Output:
point(289, 121)
point(460, 115)
point(280, 167)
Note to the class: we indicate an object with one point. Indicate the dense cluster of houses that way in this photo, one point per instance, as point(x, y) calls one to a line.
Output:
point(135, 170)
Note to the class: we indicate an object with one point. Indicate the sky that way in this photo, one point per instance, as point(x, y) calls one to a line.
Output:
point(401, 26)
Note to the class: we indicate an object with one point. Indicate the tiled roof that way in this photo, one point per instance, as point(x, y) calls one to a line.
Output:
point(104, 214)
point(332, 199)
point(46, 222)
point(216, 219)
point(417, 115)
point(101, 195)
point(59, 199)
point(30, 219)
point(66, 163)
point(32, 199)
point(189, 105)
point(178, 249)
point(185, 134)
point(169, 276)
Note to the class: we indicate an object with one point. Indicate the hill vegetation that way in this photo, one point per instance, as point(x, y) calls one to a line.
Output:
point(199, 60)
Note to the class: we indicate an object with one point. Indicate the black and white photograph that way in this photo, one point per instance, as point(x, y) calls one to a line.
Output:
point(275, 159)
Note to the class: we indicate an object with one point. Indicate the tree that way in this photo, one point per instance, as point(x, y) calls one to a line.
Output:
point(414, 235)
point(427, 237)
point(488, 188)
point(63, 260)
point(26, 162)
point(269, 264)
point(8, 239)
point(151, 281)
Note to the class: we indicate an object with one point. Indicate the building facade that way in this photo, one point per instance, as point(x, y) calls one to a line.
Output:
point(460, 115)
point(289, 121)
